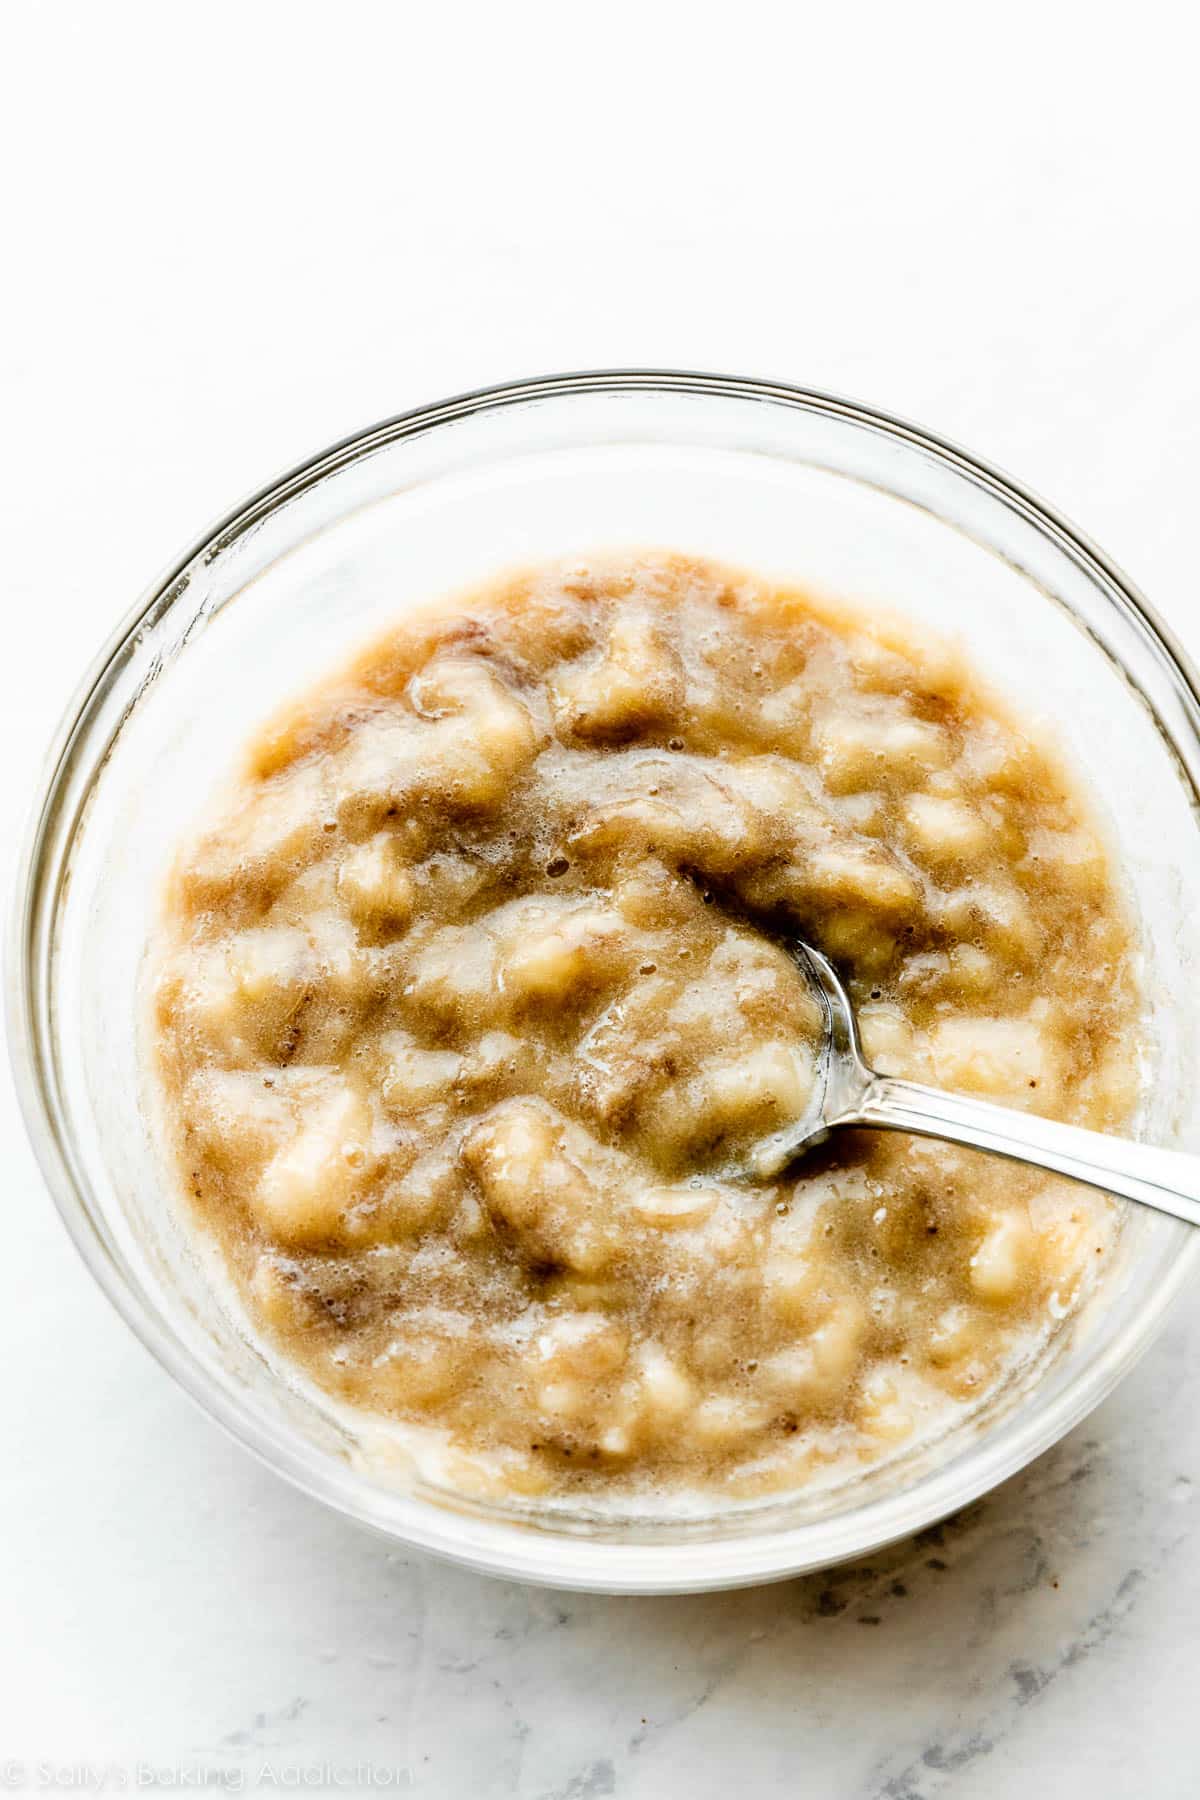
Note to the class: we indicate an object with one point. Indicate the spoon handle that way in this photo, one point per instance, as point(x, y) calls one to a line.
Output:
point(1166, 1179)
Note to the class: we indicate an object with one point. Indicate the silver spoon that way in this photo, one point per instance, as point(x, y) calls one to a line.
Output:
point(847, 1092)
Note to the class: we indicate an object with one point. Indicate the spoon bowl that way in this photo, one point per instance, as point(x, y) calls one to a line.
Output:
point(847, 1091)
point(842, 1078)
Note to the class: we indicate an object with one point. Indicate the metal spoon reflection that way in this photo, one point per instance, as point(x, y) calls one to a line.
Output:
point(847, 1092)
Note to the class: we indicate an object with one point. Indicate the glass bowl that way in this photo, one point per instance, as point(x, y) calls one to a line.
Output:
point(787, 482)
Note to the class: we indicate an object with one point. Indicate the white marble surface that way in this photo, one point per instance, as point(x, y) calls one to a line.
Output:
point(240, 231)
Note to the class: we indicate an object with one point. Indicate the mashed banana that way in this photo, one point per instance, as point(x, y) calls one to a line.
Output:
point(470, 994)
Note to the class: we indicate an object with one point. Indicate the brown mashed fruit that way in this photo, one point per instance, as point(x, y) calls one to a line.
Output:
point(470, 993)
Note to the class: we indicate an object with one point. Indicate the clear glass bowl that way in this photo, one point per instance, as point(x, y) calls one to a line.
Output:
point(798, 484)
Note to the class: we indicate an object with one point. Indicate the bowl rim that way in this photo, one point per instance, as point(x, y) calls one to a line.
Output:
point(509, 1548)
